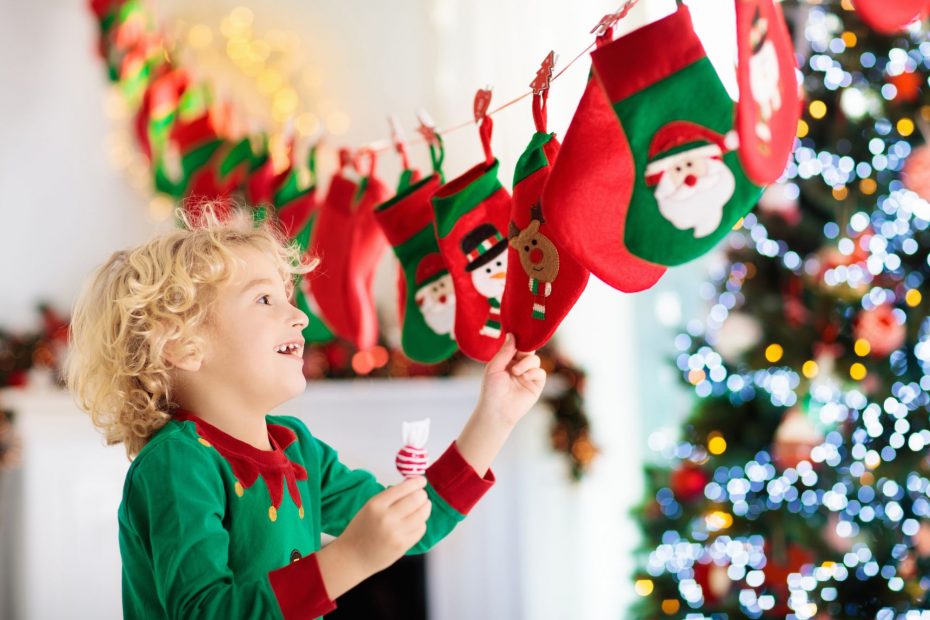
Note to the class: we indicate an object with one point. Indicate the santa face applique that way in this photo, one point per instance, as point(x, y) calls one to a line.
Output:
point(764, 77)
point(436, 301)
point(692, 183)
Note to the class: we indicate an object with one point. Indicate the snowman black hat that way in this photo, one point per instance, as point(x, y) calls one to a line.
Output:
point(482, 245)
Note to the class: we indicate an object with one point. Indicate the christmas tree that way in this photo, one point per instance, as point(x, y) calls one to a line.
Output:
point(799, 486)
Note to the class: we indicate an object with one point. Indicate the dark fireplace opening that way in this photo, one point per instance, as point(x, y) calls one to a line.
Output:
point(396, 593)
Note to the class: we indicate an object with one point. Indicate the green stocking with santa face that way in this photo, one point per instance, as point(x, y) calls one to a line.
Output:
point(428, 307)
point(688, 188)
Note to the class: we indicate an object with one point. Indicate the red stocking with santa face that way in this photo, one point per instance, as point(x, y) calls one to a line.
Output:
point(769, 107)
point(471, 216)
point(688, 187)
point(587, 192)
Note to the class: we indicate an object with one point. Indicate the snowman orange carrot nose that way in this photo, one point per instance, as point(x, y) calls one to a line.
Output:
point(500, 275)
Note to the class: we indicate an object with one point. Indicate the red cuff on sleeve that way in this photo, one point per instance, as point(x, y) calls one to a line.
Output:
point(300, 590)
point(456, 481)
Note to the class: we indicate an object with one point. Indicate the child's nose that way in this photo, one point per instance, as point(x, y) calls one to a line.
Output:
point(300, 318)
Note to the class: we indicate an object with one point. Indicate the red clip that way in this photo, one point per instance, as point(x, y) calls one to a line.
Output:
point(346, 158)
point(544, 74)
point(482, 102)
point(426, 128)
point(609, 21)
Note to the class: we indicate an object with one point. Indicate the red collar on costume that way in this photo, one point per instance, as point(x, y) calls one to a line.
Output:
point(248, 462)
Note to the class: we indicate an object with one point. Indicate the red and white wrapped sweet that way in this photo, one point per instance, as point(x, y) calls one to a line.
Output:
point(412, 458)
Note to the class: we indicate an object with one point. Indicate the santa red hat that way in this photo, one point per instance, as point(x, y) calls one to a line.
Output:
point(431, 267)
point(680, 137)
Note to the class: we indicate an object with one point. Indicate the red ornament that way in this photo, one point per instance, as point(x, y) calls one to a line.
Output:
point(777, 568)
point(714, 581)
point(795, 438)
point(907, 85)
point(916, 173)
point(880, 329)
point(688, 482)
point(890, 17)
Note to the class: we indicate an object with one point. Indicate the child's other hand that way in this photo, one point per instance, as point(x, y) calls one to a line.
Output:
point(388, 525)
point(513, 382)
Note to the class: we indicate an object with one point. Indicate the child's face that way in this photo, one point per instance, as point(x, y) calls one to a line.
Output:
point(251, 319)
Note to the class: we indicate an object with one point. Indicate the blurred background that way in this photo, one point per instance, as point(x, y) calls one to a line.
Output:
point(662, 382)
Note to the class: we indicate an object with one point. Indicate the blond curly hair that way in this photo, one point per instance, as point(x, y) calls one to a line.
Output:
point(158, 294)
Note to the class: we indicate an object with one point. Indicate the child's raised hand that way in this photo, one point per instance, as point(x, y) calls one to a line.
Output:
point(513, 382)
point(388, 525)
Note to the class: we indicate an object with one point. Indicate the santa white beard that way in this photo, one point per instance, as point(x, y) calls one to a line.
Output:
point(439, 316)
point(699, 206)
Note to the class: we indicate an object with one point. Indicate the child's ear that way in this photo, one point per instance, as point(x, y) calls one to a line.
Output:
point(185, 356)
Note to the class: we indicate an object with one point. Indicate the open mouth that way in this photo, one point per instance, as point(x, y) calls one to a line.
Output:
point(291, 349)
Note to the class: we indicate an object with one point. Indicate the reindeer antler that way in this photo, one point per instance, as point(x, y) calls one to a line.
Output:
point(536, 213)
point(514, 231)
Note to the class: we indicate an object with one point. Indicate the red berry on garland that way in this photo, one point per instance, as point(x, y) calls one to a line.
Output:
point(688, 482)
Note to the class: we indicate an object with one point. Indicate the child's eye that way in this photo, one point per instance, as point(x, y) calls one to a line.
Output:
point(266, 298)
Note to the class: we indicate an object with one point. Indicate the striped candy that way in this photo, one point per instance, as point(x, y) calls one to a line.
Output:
point(411, 461)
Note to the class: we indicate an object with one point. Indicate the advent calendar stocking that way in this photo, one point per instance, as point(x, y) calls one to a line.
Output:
point(588, 190)
point(295, 199)
point(769, 107)
point(349, 243)
point(688, 187)
point(543, 281)
point(471, 215)
point(428, 306)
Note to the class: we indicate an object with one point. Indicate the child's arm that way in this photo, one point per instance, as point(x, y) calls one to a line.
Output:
point(513, 382)
point(459, 478)
point(382, 531)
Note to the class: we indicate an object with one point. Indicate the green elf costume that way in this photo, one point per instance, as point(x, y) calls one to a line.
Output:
point(212, 527)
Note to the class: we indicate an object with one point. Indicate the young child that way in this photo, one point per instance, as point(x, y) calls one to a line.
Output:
point(180, 349)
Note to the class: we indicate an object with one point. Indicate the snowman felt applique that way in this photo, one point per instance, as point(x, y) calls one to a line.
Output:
point(692, 183)
point(435, 296)
point(486, 256)
point(763, 76)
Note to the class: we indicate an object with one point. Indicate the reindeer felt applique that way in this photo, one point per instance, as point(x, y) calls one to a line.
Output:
point(538, 257)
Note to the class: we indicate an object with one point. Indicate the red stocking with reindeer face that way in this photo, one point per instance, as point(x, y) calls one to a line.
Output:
point(543, 280)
